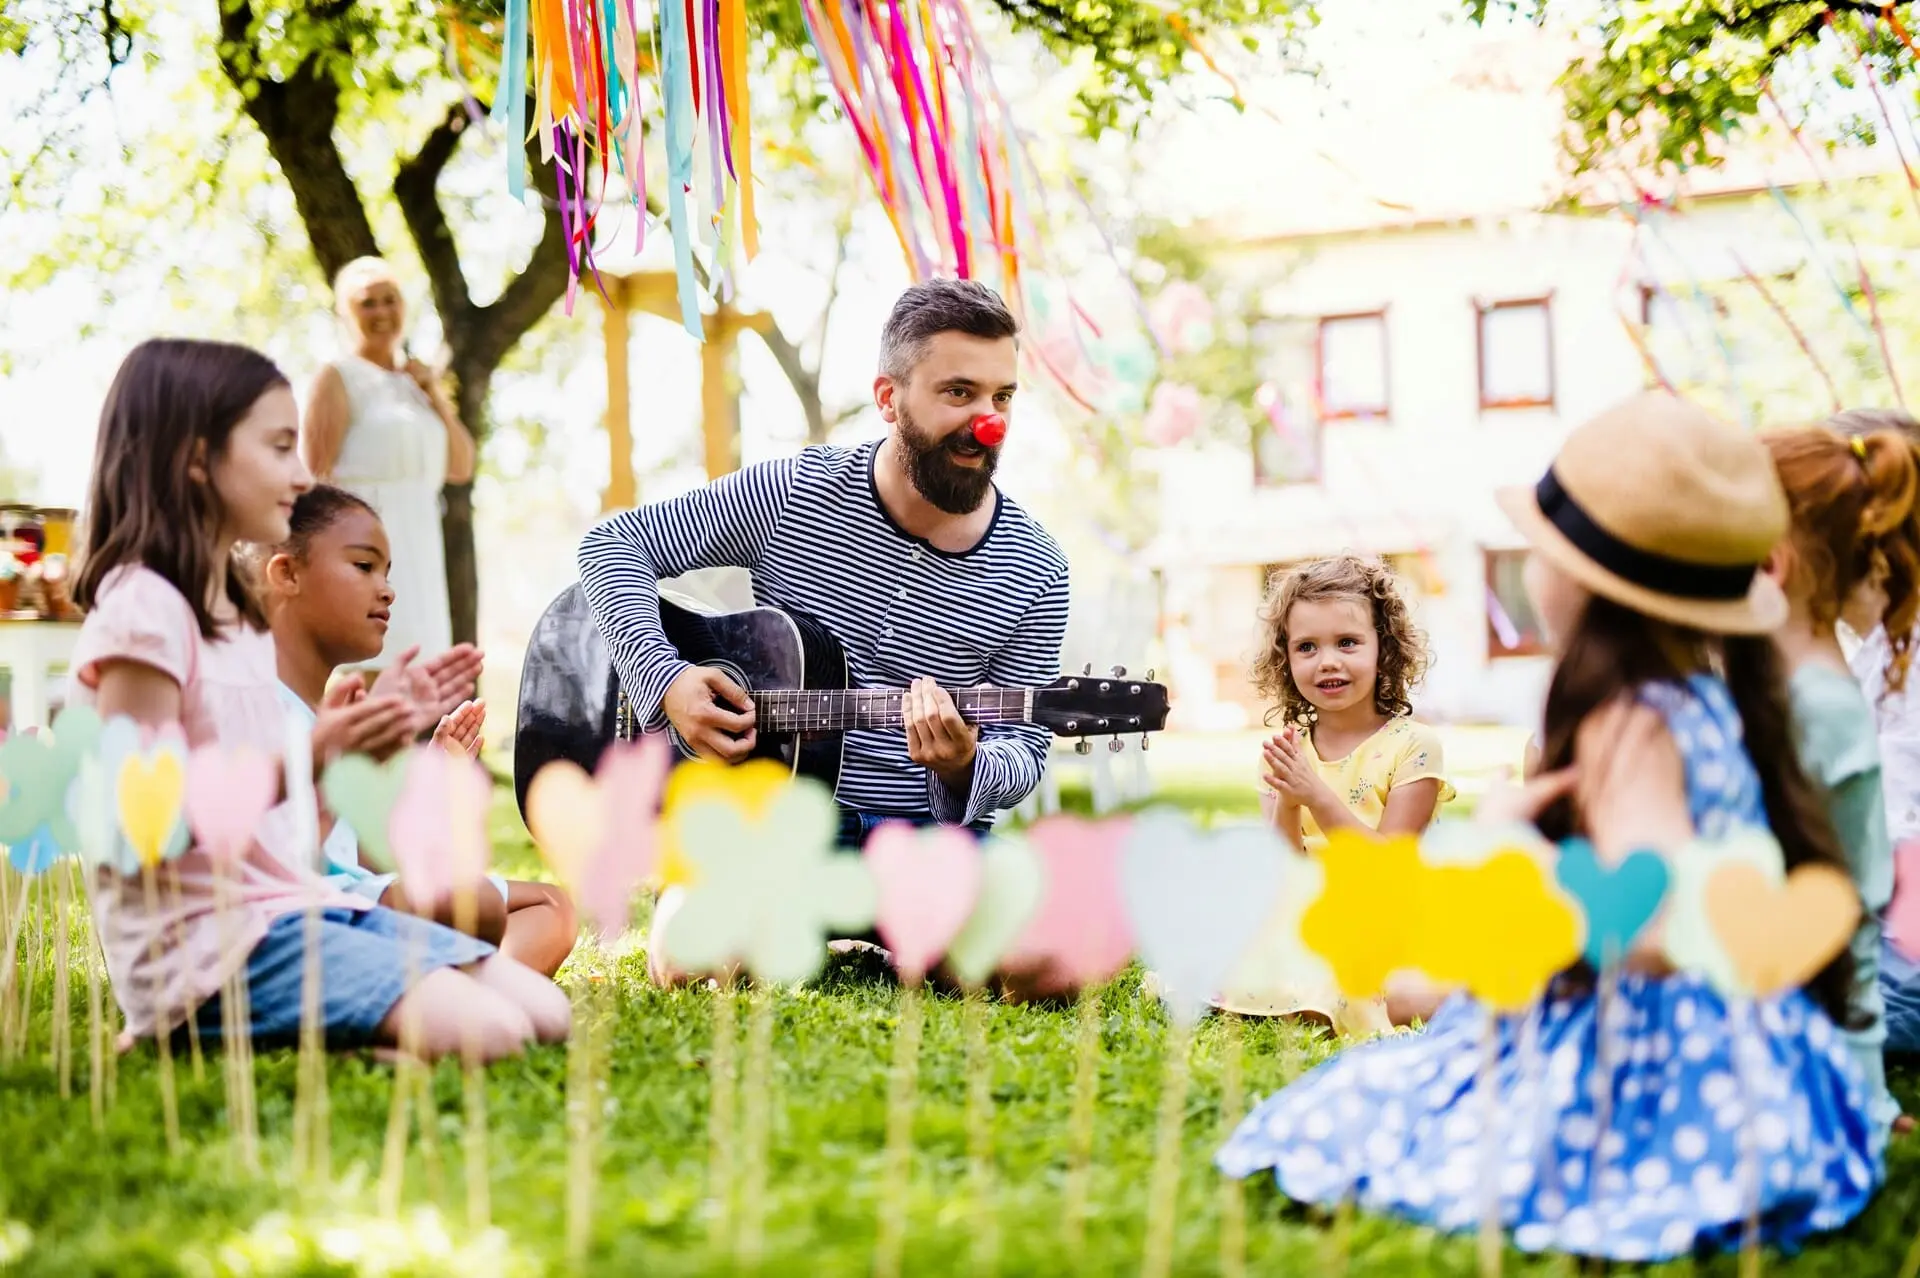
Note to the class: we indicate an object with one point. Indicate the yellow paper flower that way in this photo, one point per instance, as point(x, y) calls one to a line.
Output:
point(749, 788)
point(1499, 928)
point(1368, 915)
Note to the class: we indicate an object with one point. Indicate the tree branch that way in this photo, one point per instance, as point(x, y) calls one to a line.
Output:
point(805, 381)
point(414, 190)
point(296, 116)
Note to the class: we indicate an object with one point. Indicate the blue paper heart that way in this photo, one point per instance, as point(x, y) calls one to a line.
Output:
point(36, 853)
point(1618, 900)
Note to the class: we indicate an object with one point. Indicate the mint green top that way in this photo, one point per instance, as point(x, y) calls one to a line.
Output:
point(1839, 749)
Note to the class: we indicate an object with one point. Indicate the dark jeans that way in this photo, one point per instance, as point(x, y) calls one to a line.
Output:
point(856, 825)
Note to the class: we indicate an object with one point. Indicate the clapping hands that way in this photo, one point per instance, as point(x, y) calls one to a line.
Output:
point(1286, 769)
point(436, 687)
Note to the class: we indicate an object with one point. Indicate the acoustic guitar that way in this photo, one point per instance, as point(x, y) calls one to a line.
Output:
point(572, 706)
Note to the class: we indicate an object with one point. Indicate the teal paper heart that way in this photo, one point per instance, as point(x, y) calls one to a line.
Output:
point(363, 794)
point(1619, 901)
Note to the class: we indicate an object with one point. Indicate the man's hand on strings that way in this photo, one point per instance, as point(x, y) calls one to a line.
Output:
point(937, 737)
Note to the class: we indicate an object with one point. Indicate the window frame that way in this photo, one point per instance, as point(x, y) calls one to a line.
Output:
point(1384, 412)
point(1481, 311)
point(1530, 645)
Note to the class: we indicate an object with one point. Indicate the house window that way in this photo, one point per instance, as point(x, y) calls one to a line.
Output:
point(1516, 354)
point(1513, 628)
point(1352, 365)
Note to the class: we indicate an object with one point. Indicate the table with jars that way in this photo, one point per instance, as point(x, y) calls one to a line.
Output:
point(38, 623)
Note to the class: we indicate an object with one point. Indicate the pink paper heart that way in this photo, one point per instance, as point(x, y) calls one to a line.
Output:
point(1081, 932)
point(227, 794)
point(1903, 914)
point(630, 777)
point(928, 882)
point(439, 825)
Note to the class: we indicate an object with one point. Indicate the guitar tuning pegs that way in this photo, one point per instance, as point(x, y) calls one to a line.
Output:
point(1144, 741)
point(1083, 746)
point(1115, 745)
point(1087, 669)
point(1149, 674)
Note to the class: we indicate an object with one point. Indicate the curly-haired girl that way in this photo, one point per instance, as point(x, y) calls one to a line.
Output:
point(1339, 661)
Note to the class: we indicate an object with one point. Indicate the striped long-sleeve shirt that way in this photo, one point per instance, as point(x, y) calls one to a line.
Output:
point(816, 539)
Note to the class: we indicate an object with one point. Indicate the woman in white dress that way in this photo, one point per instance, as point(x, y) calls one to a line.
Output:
point(379, 424)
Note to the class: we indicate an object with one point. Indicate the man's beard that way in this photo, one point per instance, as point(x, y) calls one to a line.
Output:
point(945, 483)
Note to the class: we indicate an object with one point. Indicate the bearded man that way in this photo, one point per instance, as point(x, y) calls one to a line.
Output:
point(928, 575)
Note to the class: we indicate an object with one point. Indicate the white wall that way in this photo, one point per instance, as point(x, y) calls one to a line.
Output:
point(1424, 479)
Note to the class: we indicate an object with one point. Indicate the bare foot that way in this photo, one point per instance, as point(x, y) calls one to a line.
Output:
point(1903, 1125)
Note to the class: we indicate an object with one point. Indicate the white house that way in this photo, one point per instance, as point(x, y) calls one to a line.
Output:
point(1440, 334)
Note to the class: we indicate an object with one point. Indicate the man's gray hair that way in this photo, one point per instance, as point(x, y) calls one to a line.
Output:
point(932, 307)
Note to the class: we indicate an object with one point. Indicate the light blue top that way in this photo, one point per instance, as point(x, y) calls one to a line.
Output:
point(1839, 749)
point(341, 846)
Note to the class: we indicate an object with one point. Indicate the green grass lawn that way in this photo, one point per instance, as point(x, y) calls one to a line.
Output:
point(76, 1202)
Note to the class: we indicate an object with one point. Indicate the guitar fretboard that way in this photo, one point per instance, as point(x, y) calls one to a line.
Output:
point(839, 710)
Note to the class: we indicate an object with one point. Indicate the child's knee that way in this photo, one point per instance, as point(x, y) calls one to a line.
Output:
point(549, 1012)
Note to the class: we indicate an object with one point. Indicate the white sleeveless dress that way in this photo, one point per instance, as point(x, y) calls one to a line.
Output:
point(395, 456)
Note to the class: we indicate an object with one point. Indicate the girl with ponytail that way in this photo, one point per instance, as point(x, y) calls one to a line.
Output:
point(1852, 554)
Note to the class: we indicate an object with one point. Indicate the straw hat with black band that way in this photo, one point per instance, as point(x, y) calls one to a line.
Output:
point(1657, 505)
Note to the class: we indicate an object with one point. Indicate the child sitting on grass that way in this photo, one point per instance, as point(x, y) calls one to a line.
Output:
point(328, 599)
point(1340, 659)
point(196, 457)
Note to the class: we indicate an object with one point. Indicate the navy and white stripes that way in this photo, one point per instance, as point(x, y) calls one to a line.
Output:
point(811, 530)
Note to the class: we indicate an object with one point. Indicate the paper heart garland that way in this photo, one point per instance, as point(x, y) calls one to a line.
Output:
point(567, 816)
point(927, 882)
point(1688, 936)
point(768, 892)
point(438, 825)
point(1778, 935)
point(1903, 914)
point(228, 792)
point(146, 776)
point(1196, 900)
point(35, 795)
point(1080, 933)
point(631, 776)
point(36, 853)
point(364, 793)
point(1618, 901)
point(1013, 882)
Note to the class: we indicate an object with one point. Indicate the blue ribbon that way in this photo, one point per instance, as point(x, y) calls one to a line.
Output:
point(510, 102)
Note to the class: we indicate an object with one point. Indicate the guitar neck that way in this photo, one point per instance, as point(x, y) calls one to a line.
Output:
point(845, 709)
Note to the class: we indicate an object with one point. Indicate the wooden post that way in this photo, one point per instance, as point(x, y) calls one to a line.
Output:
point(718, 424)
point(619, 494)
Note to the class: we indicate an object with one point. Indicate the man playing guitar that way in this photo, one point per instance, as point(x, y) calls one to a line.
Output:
point(903, 548)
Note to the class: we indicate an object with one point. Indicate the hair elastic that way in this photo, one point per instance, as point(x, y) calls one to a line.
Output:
point(1859, 446)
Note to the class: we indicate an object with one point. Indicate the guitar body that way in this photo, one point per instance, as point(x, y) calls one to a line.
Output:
point(570, 697)
point(766, 648)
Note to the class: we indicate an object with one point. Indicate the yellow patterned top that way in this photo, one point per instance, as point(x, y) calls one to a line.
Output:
point(1402, 752)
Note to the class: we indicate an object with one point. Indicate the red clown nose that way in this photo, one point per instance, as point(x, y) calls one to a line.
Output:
point(989, 429)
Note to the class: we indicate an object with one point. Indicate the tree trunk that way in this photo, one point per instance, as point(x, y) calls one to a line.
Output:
point(456, 519)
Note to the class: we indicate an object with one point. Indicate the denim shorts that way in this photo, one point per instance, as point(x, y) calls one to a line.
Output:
point(856, 825)
point(1900, 986)
point(368, 959)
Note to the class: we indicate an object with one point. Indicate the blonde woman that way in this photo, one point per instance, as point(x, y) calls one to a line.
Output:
point(379, 424)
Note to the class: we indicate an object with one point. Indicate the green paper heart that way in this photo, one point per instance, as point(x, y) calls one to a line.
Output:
point(363, 794)
point(1012, 882)
point(36, 791)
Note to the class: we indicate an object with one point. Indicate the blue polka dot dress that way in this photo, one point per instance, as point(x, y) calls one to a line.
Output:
point(1703, 1110)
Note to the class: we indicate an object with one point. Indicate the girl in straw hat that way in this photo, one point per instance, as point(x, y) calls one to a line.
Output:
point(1666, 721)
point(1853, 554)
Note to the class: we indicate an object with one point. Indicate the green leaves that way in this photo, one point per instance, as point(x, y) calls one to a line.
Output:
point(1662, 81)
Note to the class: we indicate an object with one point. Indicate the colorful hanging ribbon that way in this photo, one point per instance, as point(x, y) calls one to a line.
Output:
point(579, 62)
